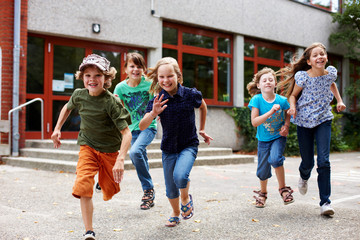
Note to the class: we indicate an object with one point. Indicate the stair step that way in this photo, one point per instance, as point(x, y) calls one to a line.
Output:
point(71, 155)
point(70, 166)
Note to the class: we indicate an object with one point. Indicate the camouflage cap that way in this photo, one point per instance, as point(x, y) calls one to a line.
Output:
point(94, 59)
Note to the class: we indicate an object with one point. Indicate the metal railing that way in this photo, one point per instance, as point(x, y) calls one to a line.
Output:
point(21, 106)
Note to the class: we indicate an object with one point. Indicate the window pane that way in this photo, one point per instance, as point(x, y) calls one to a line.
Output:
point(66, 63)
point(224, 72)
point(249, 49)
point(170, 35)
point(265, 52)
point(224, 45)
point(72, 123)
point(198, 72)
point(114, 58)
point(35, 65)
point(198, 40)
point(169, 53)
point(248, 76)
point(288, 56)
point(33, 116)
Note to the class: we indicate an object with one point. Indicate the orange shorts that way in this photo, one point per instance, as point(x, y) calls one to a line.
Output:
point(89, 164)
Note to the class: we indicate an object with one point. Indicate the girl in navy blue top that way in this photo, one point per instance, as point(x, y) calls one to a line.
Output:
point(175, 104)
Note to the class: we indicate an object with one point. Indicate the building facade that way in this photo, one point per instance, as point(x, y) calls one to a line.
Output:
point(219, 45)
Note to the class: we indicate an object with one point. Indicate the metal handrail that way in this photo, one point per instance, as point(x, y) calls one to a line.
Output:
point(21, 106)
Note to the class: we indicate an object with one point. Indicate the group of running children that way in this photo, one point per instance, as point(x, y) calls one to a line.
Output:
point(113, 123)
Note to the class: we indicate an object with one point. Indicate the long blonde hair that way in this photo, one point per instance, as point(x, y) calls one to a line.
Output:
point(252, 86)
point(153, 73)
point(288, 72)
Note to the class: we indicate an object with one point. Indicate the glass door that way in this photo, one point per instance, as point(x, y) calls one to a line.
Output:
point(51, 67)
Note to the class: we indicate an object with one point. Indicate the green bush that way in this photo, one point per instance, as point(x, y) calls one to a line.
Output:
point(242, 118)
point(352, 130)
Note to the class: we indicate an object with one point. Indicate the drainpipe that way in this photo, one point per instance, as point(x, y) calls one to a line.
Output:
point(16, 71)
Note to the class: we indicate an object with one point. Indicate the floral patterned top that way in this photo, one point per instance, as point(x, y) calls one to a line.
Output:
point(313, 106)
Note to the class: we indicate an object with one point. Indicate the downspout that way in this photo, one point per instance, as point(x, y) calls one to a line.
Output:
point(0, 78)
point(16, 73)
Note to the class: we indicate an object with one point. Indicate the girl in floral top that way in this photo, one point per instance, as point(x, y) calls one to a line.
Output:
point(310, 89)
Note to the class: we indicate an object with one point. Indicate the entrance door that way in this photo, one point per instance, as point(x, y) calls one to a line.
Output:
point(51, 67)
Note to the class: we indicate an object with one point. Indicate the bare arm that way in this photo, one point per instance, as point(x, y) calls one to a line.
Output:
point(203, 111)
point(118, 169)
point(257, 120)
point(158, 107)
point(55, 137)
point(284, 131)
point(293, 99)
point(340, 106)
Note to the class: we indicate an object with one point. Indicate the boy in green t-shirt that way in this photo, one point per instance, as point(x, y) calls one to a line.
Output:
point(104, 136)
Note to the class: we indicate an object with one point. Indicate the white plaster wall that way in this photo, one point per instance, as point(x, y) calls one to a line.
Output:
point(122, 22)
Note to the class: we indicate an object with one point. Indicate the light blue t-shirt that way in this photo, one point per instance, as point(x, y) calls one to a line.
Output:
point(313, 106)
point(270, 129)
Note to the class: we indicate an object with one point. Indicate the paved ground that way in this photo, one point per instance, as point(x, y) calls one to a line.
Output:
point(38, 205)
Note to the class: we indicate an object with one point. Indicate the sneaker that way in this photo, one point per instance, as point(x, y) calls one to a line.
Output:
point(89, 235)
point(303, 186)
point(97, 188)
point(326, 209)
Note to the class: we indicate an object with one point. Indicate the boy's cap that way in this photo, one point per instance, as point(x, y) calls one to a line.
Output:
point(94, 59)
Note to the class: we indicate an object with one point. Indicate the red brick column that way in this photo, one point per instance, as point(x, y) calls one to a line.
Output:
point(7, 48)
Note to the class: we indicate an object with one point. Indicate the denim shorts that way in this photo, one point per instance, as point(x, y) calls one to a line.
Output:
point(270, 154)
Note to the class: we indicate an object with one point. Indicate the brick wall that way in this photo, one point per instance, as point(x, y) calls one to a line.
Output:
point(7, 45)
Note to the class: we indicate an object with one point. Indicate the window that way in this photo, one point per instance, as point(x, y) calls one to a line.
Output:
point(259, 54)
point(205, 59)
point(329, 5)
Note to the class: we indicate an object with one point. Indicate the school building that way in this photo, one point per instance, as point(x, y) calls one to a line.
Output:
point(219, 45)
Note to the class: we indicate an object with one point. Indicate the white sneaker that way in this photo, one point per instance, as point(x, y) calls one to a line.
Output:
point(326, 209)
point(303, 186)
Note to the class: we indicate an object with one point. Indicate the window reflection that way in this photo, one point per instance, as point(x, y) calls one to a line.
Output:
point(35, 65)
point(66, 63)
point(198, 72)
point(197, 40)
point(249, 49)
point(170, 53)
point(270, 53)
point(224, 72)
point(72, 123)
point(170, 35)
point(224, 45)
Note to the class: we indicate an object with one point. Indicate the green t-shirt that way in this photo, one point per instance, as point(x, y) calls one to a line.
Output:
point(102, 119)
point(135, 100)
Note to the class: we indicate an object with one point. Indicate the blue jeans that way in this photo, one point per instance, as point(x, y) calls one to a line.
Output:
point(270, 154)
point(306, 137)
point(177, 167)
point(140, 140)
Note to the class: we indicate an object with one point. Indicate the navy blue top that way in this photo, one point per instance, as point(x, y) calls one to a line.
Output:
point(178, 119)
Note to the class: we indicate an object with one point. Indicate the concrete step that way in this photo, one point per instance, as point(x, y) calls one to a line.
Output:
point(70, 155)
point(70, 166)
point(72, 144)
point(41, 154)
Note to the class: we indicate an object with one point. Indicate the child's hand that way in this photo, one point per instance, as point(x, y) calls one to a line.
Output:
point(55, 137)
point(118, 171)
point(206, 137)
point(276, 107)
point(340, 106)
point(158, 105)
point(292, 112)
point(284, 131)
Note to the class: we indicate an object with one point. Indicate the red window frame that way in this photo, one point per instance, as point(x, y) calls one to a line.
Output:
point(47, 95)
point(356, 76)
point(181, 48)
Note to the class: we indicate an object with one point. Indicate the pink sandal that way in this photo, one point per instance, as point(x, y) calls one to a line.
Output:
point(261, 199)
point(288, 198)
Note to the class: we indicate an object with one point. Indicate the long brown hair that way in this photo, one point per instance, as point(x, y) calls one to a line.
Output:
point(288, 72)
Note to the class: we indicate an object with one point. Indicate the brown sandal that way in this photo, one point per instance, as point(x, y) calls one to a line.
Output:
point(288, 198)
point(261, 199)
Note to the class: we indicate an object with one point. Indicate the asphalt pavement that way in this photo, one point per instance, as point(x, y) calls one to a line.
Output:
point(37, 204)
